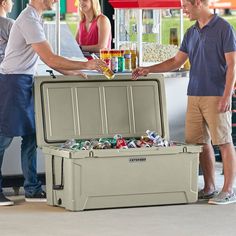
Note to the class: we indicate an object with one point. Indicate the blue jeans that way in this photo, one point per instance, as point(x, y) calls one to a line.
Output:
point(28, 162)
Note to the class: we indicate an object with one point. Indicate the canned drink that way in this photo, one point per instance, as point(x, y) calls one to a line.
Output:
point(107, 72)
point(112, 141)
point(144, 144)
point(94, 143)
point(145, 138)
point(106, 145)
point(105, 69)
point(152, 134)
point(132, 144)
point(108, 62)
point(166, 143)
point(69, 143)
point(86, 145)
point(127, 57)
point(76, 146)
point(121, 144)
point(133, 59)
point(138, 143)
point(117, 136)
point(114, 64)
point(121, 64)
point(99, 146)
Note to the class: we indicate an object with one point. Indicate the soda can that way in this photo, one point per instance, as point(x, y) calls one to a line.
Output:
point(121, 144)
point(144, 144)
point(114, 64)
point(106, 145)
point(86, 145)
point(132, 144)
point(107, 72)
point(138, 143)
point(145, 138)
point(117, 136)
point(121, 64)
point(69, 143)
point(76, 146)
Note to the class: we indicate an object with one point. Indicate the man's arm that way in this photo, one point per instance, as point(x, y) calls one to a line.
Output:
point(61, 64)
point(225, 103)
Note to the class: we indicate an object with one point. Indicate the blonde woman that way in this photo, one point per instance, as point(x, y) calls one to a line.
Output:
point(94, 31)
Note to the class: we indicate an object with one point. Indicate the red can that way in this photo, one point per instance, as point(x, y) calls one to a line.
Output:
point(121, 143)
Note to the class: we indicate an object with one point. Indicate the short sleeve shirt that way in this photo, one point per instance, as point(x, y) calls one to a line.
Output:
point(20, 58)
point(5, 27)
point(206, 49)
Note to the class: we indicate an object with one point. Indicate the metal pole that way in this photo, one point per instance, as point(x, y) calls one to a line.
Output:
point(139, 36)
point(116, 20)
point(181, 25)
point(57, 31)
point(160, 26)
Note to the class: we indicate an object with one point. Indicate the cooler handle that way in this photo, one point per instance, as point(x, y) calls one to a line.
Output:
point(57, 186)
point(51, 73)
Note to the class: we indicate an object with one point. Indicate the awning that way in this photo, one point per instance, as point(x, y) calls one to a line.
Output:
point(147, 4)
point(225, 4)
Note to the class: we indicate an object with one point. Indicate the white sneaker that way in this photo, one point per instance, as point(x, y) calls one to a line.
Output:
point(38, 197)
point(223, 198)
point(5, 201)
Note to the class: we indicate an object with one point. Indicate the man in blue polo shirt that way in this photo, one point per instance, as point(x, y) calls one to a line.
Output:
point(210, 45)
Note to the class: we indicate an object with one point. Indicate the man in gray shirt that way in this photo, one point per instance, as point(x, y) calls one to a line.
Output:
point(27, 42)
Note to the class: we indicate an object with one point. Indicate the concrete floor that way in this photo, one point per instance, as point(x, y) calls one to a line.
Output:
point(38, 219)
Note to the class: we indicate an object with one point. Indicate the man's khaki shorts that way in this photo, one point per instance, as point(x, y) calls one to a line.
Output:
point(205, 124)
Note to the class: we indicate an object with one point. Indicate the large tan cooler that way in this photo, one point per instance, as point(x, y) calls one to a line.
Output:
point(68, 107)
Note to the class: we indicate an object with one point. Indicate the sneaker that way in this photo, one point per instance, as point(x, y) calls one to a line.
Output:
point(206, 196)
point(38, 197)
point(5, 201)
point(223, 198)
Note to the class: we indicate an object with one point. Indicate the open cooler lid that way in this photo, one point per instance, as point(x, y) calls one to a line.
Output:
point(148, 4)
point(73, 108)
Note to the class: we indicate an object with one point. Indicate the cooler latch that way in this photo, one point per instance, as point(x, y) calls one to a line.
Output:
point(51, 73)
point(185, 149)
point(57, 186)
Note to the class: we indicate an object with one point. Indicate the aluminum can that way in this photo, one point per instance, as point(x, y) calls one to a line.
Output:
point(121, 64)
point(121, 144)
point(114, 64)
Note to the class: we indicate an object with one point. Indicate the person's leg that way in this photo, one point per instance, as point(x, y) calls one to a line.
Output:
point(4, 144)
point(229, 166)
point(207, 163)
point(29, 167)
point(227, 195)
point(196, 132)
point(220, 129)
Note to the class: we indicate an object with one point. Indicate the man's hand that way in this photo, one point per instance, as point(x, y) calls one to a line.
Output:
point(95, 64)
point(224, 104)
point(140, 71)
